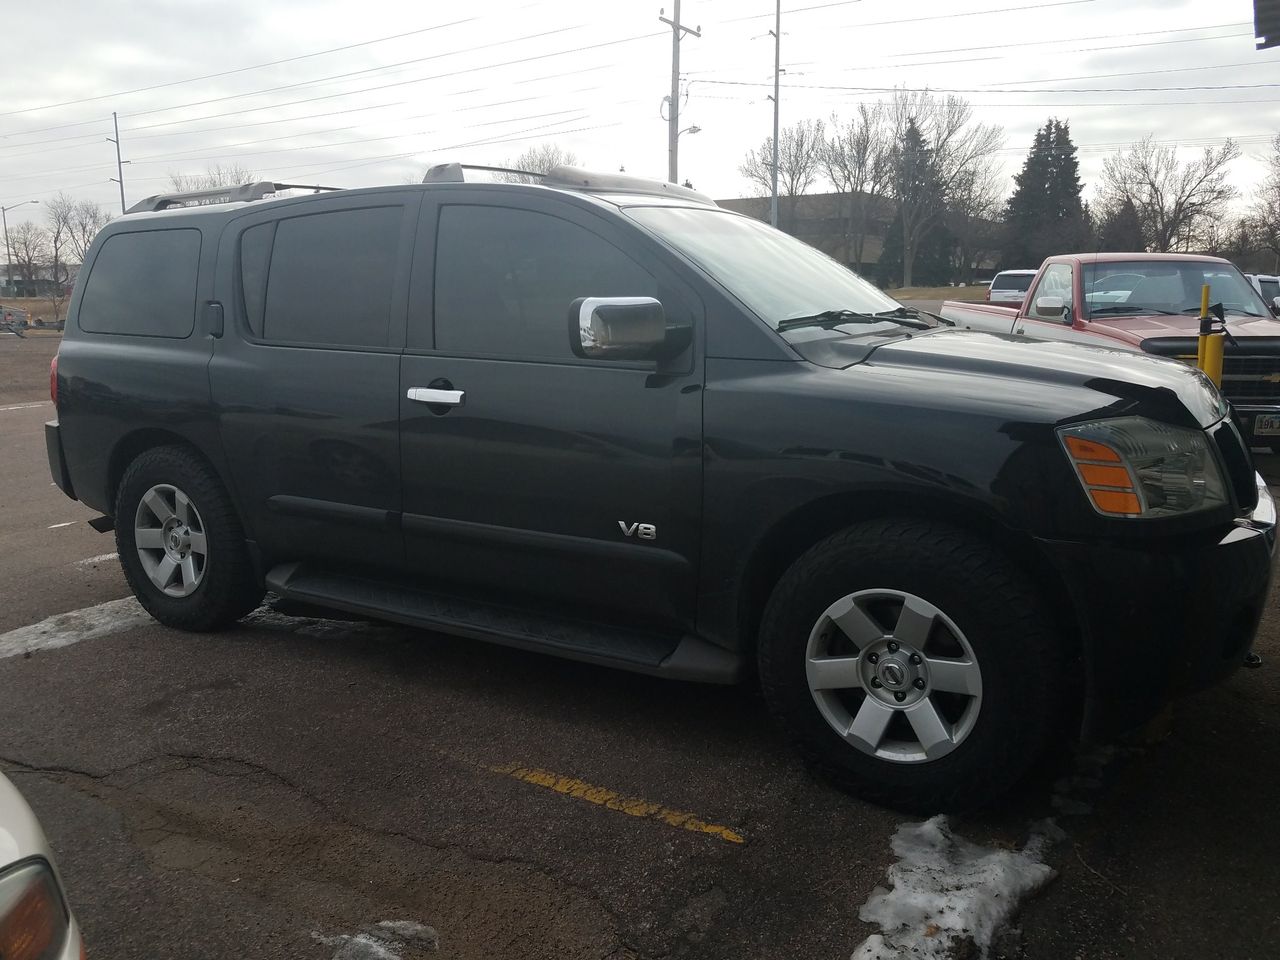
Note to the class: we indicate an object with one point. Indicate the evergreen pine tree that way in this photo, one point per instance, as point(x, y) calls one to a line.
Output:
point(1121, 231)
point(1045, 215)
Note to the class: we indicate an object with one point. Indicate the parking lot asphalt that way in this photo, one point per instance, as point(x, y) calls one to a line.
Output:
point(272, 789)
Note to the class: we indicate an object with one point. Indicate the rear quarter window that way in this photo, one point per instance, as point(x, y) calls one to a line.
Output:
point(1270, 289)
point(143, 283)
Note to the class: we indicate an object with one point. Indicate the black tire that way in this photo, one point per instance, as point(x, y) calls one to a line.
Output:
point(1019, 651)
point(228, 588)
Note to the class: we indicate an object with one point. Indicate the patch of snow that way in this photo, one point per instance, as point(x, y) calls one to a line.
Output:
point(65, 629)
point(947, 890)
point(384, 940)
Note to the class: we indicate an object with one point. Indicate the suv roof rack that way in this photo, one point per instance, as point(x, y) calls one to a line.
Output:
point(575, 178)
point(202, 198)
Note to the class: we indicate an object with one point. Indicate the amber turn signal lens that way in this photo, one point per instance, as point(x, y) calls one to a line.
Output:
point(1099, 476)
point(32, 925)
point(1082, 449)
point(1116, 501)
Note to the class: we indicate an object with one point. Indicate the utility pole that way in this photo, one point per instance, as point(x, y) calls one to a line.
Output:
point(777, 69)
point(678, 30)
point(119, 177)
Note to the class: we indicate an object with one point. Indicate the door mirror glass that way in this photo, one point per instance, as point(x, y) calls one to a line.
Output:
point(1048, 304)
point(617, 328)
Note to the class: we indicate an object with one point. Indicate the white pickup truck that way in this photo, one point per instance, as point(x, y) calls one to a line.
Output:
point(1150, 302)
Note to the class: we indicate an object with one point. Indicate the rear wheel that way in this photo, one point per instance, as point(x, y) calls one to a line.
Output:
point(181, 544)
point(912, 664)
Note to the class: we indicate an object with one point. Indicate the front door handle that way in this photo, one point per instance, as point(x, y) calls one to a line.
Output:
point(448, 398)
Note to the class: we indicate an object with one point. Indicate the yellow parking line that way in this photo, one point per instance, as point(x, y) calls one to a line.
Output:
point(612, 800)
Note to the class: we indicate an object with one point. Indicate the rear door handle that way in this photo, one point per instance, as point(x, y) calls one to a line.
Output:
point(451, 398)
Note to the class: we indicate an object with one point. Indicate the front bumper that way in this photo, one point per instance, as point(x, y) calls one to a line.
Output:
point(1159, 620)
point(1247, 414)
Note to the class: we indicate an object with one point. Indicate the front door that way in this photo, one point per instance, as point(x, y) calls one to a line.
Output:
point(544, 477)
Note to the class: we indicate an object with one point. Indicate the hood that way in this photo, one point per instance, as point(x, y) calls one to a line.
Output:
point(1148, 326)
point(1119, 380)
point(20, 833)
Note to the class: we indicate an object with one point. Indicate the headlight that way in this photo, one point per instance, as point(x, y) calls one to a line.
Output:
point(1134, 467)
point(33, 923)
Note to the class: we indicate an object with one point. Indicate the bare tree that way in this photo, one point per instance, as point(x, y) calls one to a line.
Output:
point(1264, 213)
point(800, 154)
point(973, 207)
point(58, 213)
point(30, 245)
point(539, 159)
point(217, 175)
point(1175, 202)
point(856, 161)
point(87, 218)
point(926, 173)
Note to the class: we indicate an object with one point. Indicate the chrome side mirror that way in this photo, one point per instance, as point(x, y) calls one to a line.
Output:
point(1049, 304)
point(616, 328)
point(1275, 302)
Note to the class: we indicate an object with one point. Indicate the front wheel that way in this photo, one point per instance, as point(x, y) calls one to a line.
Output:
point(912, 664)
point(181, 544)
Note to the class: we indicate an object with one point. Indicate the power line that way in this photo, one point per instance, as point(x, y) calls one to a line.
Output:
point(821, 86)
point(227, 73)
point(817, 6)
point(342, 76)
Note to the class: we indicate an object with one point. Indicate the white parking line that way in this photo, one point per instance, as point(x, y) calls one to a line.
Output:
point(55, 526)
point(94, 561)
point(27, 406)
point(65, 629)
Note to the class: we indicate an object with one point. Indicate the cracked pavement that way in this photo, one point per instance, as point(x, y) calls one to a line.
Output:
point(251, 793)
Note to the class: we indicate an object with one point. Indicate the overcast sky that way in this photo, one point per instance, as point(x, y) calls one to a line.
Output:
point(422, 82)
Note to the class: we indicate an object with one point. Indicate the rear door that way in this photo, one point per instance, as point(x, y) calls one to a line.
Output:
point(305, 378)
point(553, 478)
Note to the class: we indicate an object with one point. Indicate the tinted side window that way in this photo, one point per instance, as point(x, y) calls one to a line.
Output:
point(143, 283)
point(331, 276)
point(255, 259)
point(505, 279)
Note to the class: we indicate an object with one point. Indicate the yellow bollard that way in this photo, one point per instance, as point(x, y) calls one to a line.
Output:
point(1209, 346)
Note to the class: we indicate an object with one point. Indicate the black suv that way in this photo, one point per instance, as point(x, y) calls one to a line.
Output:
point(602, 418)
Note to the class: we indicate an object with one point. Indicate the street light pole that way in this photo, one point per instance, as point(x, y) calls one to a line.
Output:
point(673, 111)
point(8, 250)
point(777, 69)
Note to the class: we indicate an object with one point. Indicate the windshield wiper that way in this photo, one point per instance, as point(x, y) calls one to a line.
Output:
point(914, 313)
point(1195, 311)
point(1129, 308)
point(836, 318)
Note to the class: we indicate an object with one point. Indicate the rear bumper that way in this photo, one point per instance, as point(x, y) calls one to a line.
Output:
point(57, 462)
point(1158, 622)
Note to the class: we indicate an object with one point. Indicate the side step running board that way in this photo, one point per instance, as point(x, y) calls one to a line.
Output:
point(687, 658)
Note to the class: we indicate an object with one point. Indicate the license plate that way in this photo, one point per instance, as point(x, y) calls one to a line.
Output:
point(1267, 424)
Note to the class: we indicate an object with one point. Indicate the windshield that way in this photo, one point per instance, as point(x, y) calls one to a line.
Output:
point(1166, 286)
point(1012, 281)
point(775, 275)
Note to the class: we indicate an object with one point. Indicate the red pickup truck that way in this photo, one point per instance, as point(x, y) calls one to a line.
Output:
point(1150, 302)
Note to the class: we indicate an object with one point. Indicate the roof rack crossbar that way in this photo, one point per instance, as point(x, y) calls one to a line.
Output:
point(243, 193)
point(454, 172)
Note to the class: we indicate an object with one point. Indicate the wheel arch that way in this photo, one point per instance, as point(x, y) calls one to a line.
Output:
point(812, 522)
point(132, 445)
